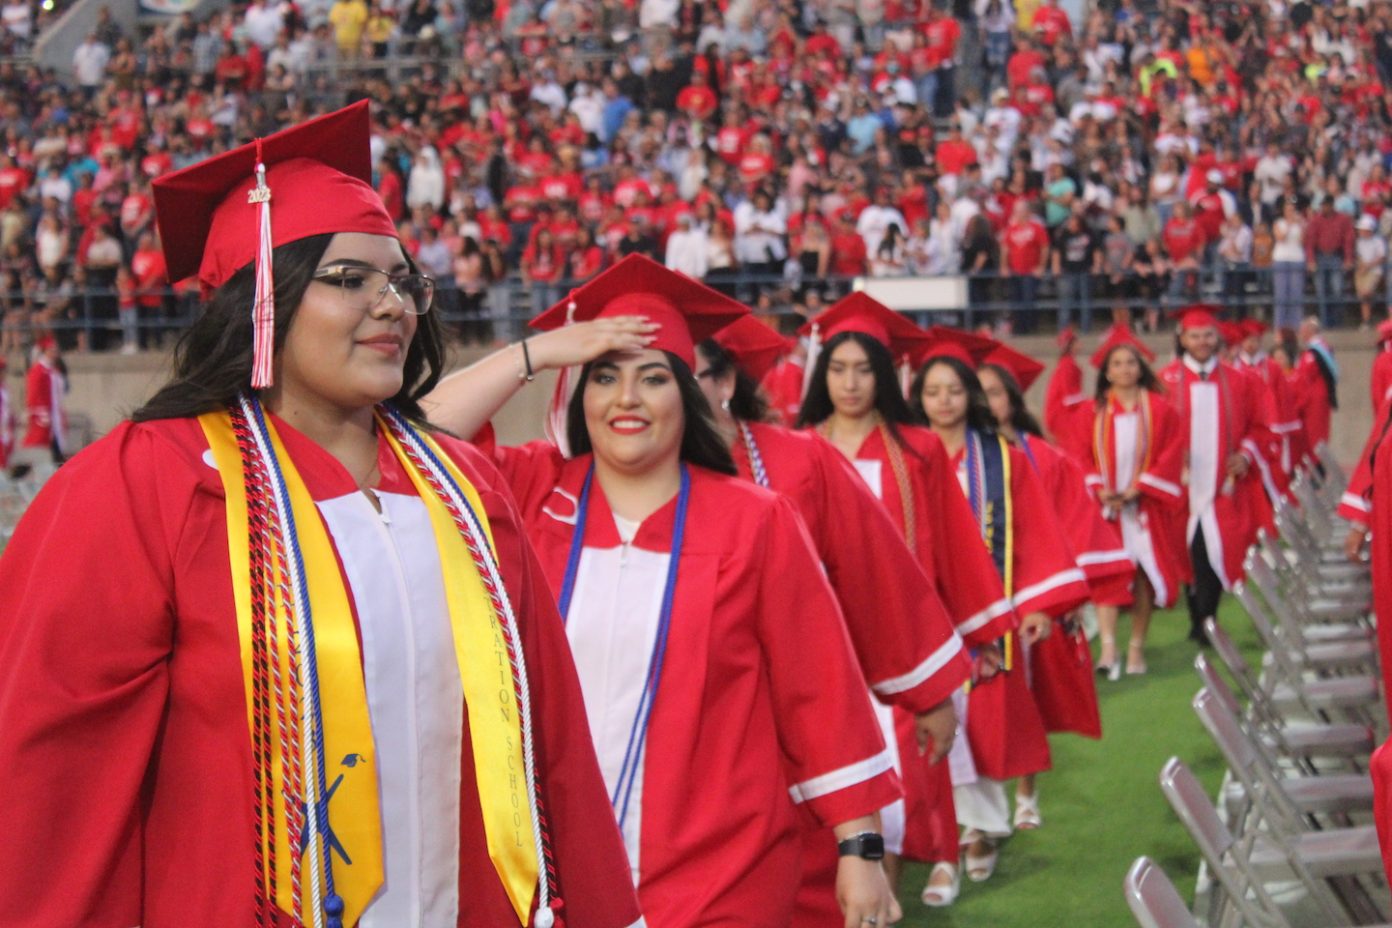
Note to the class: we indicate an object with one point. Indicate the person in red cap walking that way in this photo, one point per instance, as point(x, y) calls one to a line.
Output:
point(1224, 416)
point(676, 581)
point(276, 652)
point(855, 400)
point(909, 650)
point(1283, 413)
point(1018, 529)
point(1132, 442)
point(45, 406)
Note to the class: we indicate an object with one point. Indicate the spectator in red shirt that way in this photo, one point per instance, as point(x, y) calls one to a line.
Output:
point(1051, 24)
point(848, 253)
point(151, 287)
point(543, 265)
point(1024, 257)
point(1329, 238)
point(954, 153)
point(1021, 65)
point(1183, 238)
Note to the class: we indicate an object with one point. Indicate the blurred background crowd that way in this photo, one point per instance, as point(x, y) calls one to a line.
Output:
point(1064, 160)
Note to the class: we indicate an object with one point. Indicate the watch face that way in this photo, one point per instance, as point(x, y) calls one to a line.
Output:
point(866, 846)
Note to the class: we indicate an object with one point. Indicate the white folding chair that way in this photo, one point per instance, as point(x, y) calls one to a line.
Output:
point(1155, 902)
point(1266, 787)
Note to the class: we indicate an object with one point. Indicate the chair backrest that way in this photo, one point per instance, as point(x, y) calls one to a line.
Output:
point(1153, 899)
point(1226, 857)
point(1260, 781)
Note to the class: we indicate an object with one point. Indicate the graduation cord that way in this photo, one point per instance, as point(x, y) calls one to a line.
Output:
point(638, 731)
point(756, 460)
point(268, 577)
point(321, 866)
point(471, 530)
point(901, 479)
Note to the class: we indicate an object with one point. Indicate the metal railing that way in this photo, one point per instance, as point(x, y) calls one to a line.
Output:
point(91, 318)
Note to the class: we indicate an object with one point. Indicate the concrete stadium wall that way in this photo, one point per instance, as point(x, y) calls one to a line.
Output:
point(106, 387)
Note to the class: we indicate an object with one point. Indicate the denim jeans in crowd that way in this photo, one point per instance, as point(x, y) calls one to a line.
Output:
point(1329, 288)
point(1026, 295)
point(1288, 293)
point(1073, 294)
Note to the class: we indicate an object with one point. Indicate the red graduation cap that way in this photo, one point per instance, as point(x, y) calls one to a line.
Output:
point(1232, 333)
point(1197, 316)
point(857, 312)
point(686, 310)
point(945, 342)
point(220, 215)
point(1066, 336)
point(1120, 335)
point(754, 345)
point(1022, 367)
point(1251, 327)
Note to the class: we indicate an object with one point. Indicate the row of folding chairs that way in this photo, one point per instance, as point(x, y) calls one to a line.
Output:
point(1289, 841)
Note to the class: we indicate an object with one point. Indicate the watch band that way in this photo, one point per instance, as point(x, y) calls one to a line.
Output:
point(867, 845)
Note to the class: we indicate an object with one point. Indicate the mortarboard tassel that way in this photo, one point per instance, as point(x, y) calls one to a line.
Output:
point(560, 399)
point(905, 376)
point(814, 348)
point(263, 302)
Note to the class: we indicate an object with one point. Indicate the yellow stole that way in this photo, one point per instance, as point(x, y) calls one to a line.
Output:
point(349, 750)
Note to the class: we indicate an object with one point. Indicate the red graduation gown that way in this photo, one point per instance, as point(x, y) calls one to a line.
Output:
point(783, 385)
point(1277, 462)
point(1313, 399)
point(1161, 503)
point(1380, 381)
point(124, 747)
point(1004, 726)
point(741, 732)
point(1061, 672)
point(908, 647)
point(43, 407)
point(967, 582)
point(1063, 395)
point(1239, 505)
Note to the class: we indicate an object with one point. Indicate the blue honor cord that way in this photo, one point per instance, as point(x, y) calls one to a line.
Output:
point(638, 731)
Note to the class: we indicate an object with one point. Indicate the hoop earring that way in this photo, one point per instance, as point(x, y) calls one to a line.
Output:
point(725, 405)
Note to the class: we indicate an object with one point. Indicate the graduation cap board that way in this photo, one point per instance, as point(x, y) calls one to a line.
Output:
point(945, 342)
point(1196, 316)
point(1022, 367)
point(685, 310)
point(754, 345)
point(220, 215)
point(1120, 335)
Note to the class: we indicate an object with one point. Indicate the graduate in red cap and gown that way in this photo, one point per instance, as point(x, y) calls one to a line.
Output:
point(1283, 413)
point(1380, 380)
point(677, 580)
point(1133, 442)
point(1064, 393)
point(1066, 701)
point(1223, 412)
point(1018, 528)
point(45, 408)
point(275, 652)
point(908, 647)
point(1316, 381)
point(855, 400)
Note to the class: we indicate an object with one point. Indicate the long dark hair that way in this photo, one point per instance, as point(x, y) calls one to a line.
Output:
point(1021, 419)
point(979, 415)
point(817, 405)
point(1148, 379)
point(701, 442)
point(212, 361)
point(749, 402)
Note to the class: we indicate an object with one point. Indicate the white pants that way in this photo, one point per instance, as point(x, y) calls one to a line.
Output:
point(982, 805)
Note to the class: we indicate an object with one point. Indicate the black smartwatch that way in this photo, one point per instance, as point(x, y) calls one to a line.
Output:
point(867, 845)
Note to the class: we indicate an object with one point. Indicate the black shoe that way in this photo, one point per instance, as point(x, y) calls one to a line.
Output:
point(1199, 636)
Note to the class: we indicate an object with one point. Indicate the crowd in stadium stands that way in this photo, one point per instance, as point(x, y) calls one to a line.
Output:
point(1110, 156)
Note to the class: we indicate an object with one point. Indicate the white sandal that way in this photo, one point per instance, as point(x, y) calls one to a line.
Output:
point(979, 869)
point(1027, 816)
point(940, 897)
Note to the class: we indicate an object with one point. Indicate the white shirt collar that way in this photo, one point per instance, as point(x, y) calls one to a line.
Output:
point(1201, 369)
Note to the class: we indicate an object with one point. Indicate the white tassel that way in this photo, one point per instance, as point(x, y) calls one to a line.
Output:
point(814, 348)
point(263, 303)
point(905, 376)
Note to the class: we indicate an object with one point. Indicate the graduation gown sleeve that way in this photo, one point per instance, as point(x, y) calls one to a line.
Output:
point(85, 632)
point(1046, 578)
point(965, 575)
point(906, 642)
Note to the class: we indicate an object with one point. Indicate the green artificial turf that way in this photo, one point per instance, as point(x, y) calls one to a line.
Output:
point(1101, 803)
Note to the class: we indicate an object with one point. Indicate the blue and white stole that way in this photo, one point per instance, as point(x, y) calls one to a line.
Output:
point(988, 492)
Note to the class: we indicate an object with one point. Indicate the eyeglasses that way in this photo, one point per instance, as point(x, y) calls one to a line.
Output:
point(366, 287)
